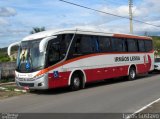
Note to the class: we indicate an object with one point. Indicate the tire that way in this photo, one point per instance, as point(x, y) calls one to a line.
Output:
point(76, 82)
point(132, 74)
point(151, 72)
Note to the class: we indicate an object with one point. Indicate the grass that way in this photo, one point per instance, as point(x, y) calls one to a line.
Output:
point(6, 94)
point(6, 80)
point(9, 92)
point(10, 87)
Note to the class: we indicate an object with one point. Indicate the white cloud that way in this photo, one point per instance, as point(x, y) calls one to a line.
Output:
point(124, 11)
point(121, 10)
point(7, 11)
point(3, 22)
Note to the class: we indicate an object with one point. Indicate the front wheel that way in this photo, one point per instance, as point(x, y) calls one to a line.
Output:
point(75, 82)
point(132, 74)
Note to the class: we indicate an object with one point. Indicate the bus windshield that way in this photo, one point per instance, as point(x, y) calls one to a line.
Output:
point(29, 57)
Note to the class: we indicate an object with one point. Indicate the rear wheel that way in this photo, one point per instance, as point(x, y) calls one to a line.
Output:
point(76, 82)
point(132, 74)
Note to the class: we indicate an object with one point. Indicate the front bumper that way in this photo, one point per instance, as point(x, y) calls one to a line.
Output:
point(39, 84)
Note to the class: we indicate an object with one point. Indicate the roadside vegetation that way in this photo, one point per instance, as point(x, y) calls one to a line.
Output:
point(3, 55)
point(10, 91)
point(156, 42)
point(5, 80)
point(37, 29)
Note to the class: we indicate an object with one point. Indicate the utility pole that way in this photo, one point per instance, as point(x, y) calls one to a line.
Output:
point(131, 15)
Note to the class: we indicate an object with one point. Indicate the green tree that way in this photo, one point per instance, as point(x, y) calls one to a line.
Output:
point(156, 42)
point(37, 29)
point(3, 55)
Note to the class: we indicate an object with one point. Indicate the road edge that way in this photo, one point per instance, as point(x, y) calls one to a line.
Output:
point(143, 108)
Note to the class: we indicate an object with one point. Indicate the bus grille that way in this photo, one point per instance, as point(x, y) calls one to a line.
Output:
point(27, 84)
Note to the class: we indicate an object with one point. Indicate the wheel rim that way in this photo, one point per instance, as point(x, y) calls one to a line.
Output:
point(132, 74)
point(76, 82)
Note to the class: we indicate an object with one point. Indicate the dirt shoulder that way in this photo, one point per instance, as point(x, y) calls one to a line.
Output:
point(6, 94)
point(10, 91)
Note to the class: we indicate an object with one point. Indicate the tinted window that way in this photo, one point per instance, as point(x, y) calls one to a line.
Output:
point(118, 45)
point(53, 52)
point(132, 45)
point(64, 42)
point(57, 48)
point(141, 45)
point(95, 44)
point(85, 44)
point(104, 44)
point(148, 45)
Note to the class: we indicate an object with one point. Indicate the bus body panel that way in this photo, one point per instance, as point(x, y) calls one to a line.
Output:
point(60, 81)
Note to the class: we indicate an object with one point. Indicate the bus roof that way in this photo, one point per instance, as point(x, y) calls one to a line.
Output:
point(79, 31)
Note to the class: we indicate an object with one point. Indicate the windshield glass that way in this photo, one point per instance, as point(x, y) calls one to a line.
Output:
point(29, 58)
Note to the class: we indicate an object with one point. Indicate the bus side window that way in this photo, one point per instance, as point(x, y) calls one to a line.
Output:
point(124, 45)
point(132, 45)
point(104, 44)
point(77, 46)
point(141, 45)
point(53, 52)
point(65, 40)
point(118, 44)
point(83, 45)
point(94, 44)
point(97, 45)
point(148, 45)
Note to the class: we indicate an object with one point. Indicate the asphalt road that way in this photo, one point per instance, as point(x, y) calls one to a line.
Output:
point(103, 97)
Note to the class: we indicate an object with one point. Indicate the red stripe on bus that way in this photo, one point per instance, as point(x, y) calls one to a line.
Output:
point(130, 36)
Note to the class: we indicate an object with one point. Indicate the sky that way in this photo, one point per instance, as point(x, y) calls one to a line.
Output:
point(18, 17)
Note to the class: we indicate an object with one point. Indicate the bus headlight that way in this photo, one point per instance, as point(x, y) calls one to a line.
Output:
point(29, 79)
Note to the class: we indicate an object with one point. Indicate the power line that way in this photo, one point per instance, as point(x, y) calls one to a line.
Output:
point(107, 13)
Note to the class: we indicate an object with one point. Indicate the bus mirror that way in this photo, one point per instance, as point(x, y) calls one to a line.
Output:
point(44, 42)
point(10, 47)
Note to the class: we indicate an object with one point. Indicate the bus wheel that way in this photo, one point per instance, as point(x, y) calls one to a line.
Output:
point(132, 74)
point(75, 82)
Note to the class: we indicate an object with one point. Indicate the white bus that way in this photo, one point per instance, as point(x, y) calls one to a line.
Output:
point(73, 58)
